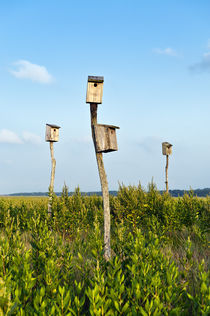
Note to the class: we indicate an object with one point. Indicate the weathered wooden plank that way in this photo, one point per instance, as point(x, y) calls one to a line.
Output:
point(105, 138)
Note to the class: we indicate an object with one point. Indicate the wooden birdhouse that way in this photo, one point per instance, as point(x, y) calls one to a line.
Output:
point(166, 148)
point(94, 89)
point(52, 133)
point(105, 138)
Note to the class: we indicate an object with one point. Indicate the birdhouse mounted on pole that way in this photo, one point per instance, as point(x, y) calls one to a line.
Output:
point(166, 148)
point(52, 133)
point(105, 138)
point(51, 136)
point(94, 89)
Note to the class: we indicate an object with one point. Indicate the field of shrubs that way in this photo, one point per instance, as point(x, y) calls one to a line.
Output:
point(55, 266)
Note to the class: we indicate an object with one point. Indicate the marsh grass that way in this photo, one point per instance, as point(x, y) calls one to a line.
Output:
point(55, 266)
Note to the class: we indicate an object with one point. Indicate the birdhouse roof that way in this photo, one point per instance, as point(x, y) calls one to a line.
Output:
point(167, 144)
point(110, 126)
point(53, 125)
point(97, 79)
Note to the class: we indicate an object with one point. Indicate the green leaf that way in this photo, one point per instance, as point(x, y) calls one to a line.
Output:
point(66, 299)
point(147, 305)
point(125, 307)
point(204, 288)
point(61, 290)
point(42, 292)
point(143, 311)
point(80, 257)
point(190, 296)
point(116, 306)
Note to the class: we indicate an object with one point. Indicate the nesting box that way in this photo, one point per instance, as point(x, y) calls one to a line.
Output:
point(166, 148)
point(105, 138)
point(94, 89)
point(52, 133)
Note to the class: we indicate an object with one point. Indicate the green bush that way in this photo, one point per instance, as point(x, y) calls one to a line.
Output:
point(55, 266)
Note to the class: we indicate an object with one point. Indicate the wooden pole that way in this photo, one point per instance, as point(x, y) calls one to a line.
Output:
point(104, 186)
point(167, 173)
point(51, 189)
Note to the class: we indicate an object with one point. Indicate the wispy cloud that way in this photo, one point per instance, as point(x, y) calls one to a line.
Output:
point(27, 70)
point(9, 137)
point(32, 138)
point(165, 51)
point(150, 144)
point(202, 66)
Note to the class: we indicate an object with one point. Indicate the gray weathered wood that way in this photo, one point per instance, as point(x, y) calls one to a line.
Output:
point(104, 186)
point(105, 138)
point(52, 178)
point(52, 133)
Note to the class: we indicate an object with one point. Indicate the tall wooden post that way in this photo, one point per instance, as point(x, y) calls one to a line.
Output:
point(166, 151)
point(104, 185)
point(104, 139)
point(52, 135)
point(52, 178)
point(167, 173)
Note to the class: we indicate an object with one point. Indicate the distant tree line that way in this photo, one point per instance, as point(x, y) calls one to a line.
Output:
point(175, 193)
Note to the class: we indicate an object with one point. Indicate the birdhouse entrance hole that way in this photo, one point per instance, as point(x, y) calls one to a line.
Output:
point(94, 89)
point(52, 133)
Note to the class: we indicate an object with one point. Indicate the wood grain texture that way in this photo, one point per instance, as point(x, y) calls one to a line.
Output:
point(52, 179)
point(94, 92)
point(105, 138)
point(104, 186)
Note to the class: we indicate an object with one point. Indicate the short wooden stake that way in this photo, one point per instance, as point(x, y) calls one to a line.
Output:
point(104, 186)
point(51, 188)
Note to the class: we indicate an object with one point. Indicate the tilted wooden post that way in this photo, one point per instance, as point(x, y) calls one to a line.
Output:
point(52, 135)
point(104, 139)
point(166, 150)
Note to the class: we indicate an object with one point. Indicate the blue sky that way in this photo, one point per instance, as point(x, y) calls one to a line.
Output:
point(155, 59)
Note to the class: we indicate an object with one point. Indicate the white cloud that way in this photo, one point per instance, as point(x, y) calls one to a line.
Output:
point(27, 70)
point(202, 66)
point(166, 51)
point(9, 137)
point(32, 138)
point(82, 140)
